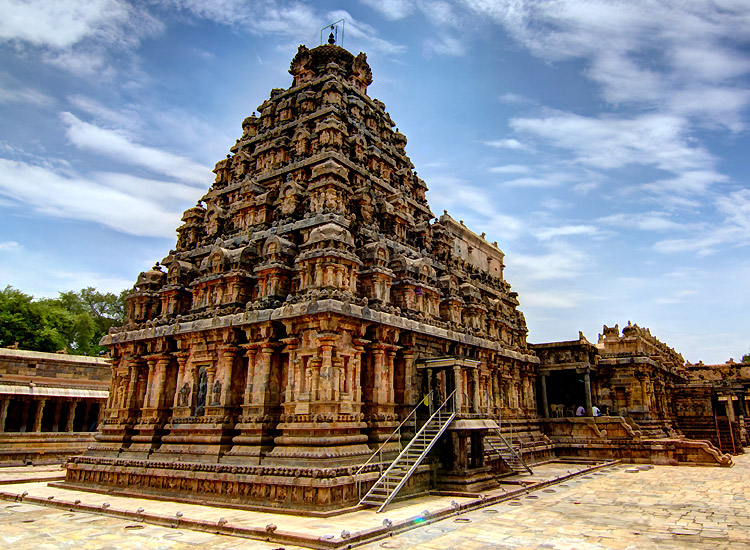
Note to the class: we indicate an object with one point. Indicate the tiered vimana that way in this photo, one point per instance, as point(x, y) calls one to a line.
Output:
point(291, 329)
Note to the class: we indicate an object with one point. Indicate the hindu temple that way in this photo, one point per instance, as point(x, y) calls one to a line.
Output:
point(319, 339)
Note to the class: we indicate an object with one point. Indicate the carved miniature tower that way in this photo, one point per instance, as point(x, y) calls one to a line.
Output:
point(291, 330)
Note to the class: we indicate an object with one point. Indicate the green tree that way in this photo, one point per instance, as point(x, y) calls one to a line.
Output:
point(75, 321)
point(746, 358)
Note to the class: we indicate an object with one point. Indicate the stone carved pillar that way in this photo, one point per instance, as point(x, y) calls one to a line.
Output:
point(476, 403)
point(150, 397)
point(71, 415)
point(410, 374)
point(250, 353)
point(210, 377)
point(326, 369)
point(182, 358)
point(545, 404)
point(227, 368)
point(130, 398)
point(359, 350)
point(587, 389)
point(4, 402)
point(293, 373)
point(158, 398)
point(380, 392)
point(390, 370)
point(458, 397)
point(38, 416)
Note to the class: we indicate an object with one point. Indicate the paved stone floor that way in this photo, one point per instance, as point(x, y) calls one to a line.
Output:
point(618, 507)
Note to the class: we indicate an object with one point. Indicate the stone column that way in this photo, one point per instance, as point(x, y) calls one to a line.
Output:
point(459, 395)
point(210, 376)
point(545, 404)
point(496, 401)
point(149, 398)
point(587, 389)
point(430, 387)
point(71, 415)
point(730, 409)
point(390, 356)
point(410, 391)
point(380, 376)
point(4, 402)
point(326, 369)
point(182, 358)
point(476, 403)
point(292, 369)
point(357, 391)
point(38, 418)
point(130, 399)
point(227, 360)
point(250, 353)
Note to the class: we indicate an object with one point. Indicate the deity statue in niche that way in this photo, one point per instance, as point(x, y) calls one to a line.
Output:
point(289, 200)
point(184, 391)
point(200, 402)
point(216, 393)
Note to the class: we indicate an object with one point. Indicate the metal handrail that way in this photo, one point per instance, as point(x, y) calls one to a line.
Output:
point(511, 449)
point(421, 431)
point(379, 452)
point(414, 466)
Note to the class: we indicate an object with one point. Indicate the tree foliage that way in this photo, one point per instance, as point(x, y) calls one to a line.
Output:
point(74, 321)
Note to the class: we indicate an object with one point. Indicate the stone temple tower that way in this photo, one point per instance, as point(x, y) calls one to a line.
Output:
point(311, 301)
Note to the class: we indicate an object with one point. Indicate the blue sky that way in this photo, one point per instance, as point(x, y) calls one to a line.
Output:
point(603, 145)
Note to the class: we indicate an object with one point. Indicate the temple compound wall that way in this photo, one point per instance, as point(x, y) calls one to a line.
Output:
point(50, 405)
point(311, 301)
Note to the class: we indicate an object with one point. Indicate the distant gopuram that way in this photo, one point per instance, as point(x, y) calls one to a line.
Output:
point(311, 303)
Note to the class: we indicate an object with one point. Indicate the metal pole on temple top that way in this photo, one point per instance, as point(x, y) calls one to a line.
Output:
point(333, 36)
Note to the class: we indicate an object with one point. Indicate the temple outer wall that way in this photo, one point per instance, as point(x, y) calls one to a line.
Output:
point(50, 405)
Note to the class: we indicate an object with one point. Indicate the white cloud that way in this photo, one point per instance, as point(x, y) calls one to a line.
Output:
point(60, 24)
point(645, 221)
point(656, 54)
point(10, 246)
point(391, 9)
point(561, 262)
point(440, 14)
point(549, 300)
point(510, 169)
point(445, 45)
point(736, 207)
point(155, 209)
point(545, 234)
point(514, 99)
point(503, 227)
point(117, 146)
point(508, 143)
point(11, 91)
point(451, 193)
point(607, 142)
point(549, 180)
point(125, 117)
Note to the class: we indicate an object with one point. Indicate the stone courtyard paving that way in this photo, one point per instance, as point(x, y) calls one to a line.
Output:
point(620, 507)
